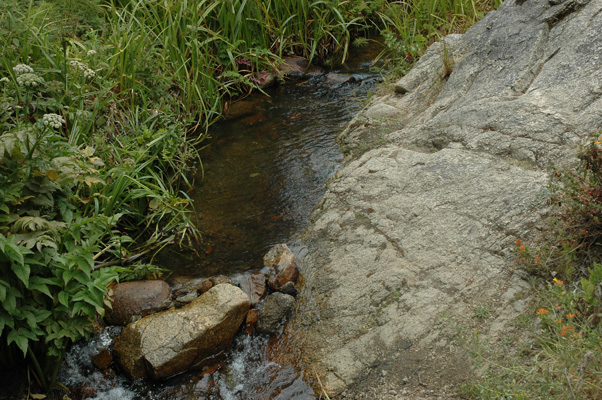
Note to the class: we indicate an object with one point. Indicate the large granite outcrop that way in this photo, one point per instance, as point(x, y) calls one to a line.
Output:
point(416, 234)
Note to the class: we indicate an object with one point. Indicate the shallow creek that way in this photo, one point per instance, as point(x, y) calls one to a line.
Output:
point(263, 173)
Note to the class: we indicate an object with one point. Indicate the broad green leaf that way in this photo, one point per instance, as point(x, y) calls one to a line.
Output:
point(19, 339)
point(10, 303)
point(64, 298)
point(22, 271)
point(13, 252)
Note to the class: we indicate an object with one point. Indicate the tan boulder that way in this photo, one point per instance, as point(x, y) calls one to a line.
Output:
point(178, 340)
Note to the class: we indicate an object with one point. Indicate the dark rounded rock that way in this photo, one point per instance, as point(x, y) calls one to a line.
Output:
point(274, 311)
point(289, 288)
point(102, 359)
point(131, 300)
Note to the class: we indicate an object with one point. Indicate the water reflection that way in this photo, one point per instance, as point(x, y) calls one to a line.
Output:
point(265, 172)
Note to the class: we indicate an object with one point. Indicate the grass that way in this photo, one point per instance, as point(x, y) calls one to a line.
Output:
point(559, 353)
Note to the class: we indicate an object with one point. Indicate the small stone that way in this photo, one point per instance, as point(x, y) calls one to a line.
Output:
point(252, 317)
point(103, 359)
point(274, 311)
point(187, 298)
point(255, 287)
point(283, 260)
point(205, 285)
point(289, 288)
point(208, 283)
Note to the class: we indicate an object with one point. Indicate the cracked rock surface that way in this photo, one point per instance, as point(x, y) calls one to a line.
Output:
point(416, 236)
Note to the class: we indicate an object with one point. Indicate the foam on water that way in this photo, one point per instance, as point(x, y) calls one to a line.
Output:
point(78, 371)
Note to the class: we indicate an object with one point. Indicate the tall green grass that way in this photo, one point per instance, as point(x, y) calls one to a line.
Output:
point(408, 27)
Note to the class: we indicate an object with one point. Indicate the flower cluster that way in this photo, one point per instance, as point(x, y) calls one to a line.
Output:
point(30, 80)
point(53, 120)
point(21, 69)
point(91, 53)
point(4, 79)
point(88, 73)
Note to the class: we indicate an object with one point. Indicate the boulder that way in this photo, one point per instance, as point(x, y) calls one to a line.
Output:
point(131, 300)
point(178, 340)
point(282, 259)
point(421, 223)
point(255, 287)
point(274, 311)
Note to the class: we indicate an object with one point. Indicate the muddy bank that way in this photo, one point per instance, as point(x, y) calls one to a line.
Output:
point(417, 232)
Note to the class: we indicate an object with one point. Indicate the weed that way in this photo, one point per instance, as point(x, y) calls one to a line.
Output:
point(564, 359)
point(482, 312)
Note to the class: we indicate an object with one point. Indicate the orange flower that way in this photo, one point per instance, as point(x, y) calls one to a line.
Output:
point(537, 260)
point(521, 248)
point(518, 241)
point(570, 315)
point(542, 311)
point(566, 329)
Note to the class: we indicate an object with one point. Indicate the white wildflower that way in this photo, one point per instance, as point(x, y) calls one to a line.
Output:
point(53, 120)
point(89, 73)
point(21, 69)
point(78, 65)
point(4, 79)
point(30, 80)
point(91, 53)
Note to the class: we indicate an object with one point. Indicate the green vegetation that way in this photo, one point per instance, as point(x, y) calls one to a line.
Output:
point(408, 27)
point(103, 106)
point(561, 358)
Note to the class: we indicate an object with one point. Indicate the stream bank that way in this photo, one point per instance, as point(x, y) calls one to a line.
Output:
point(415, 236)
point(262, 175)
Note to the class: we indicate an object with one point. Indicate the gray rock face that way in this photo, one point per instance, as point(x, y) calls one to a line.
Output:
point(273, 312)
point(412, 236)
point(178, 340)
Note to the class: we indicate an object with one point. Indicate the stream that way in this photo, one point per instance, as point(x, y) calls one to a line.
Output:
point(263, 172)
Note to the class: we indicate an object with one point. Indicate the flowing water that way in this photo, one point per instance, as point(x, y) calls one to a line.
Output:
point(263, 173)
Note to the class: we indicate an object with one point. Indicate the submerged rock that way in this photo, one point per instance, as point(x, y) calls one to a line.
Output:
point(178, 340)
point(255, 287)
point(132, 300)
point(274, 311)
point(251, 321)
point(282, 259)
